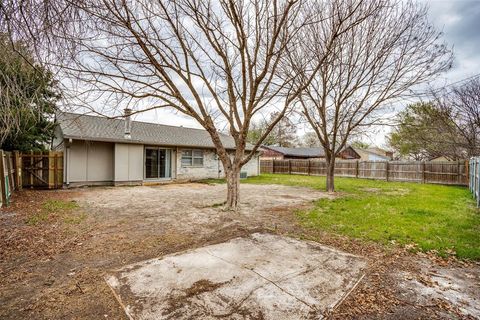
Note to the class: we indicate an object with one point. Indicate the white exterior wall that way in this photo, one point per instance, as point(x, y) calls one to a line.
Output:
point(129, 162)
point(212, 167)
point(89, 162)
point(253, 166)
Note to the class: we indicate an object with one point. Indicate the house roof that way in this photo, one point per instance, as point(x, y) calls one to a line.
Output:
point(378, 151)
point(441, 158)
point(298, 152)
point(96, 128)
point(375, 151)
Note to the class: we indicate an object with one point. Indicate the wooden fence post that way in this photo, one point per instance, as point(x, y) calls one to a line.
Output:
point(309, 167)
point(17, 169)
point(31, 168)
point(9, 169)
point(386, 171)
point(3, 189)
point(357, 169)
point(289, 166)
point(423, 171)
point(458, 172)
point(55, 168)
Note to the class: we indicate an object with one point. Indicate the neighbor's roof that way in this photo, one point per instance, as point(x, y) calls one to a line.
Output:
point(95, 128)
point(298, 152)
point(375, 151)
point(441, 158)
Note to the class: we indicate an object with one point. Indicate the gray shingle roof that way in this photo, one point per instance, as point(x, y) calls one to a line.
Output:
point(95, 128)
point(298, 152)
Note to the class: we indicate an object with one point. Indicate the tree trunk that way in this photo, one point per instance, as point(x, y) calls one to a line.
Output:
point(233, 188)
point(330, 175)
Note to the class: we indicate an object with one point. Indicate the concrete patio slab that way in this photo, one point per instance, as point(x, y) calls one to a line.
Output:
point(262, 276)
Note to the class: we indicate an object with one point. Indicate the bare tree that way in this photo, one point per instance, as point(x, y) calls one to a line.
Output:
point(391, 49)
point(284, 134)
point(310, 140)
point(220, 63)
point(461, 108)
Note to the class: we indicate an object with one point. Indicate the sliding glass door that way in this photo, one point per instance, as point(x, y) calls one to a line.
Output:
point(157, 163)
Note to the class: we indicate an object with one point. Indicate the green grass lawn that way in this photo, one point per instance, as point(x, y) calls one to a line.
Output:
point(434, 217)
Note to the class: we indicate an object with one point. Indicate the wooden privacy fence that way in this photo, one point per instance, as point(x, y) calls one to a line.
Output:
point(43, 170)
point(445, 172)
point(474, 178)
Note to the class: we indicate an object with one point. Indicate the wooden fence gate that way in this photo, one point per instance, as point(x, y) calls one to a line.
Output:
point(42, 170)
point(474, 178)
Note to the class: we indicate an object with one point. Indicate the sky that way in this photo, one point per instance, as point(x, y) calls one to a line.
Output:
point(458, 19)
point(460, 22)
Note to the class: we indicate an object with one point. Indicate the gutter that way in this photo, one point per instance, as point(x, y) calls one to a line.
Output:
point(150, 143)
point(67, 163)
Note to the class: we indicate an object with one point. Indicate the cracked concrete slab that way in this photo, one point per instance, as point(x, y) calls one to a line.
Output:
point(262, 276)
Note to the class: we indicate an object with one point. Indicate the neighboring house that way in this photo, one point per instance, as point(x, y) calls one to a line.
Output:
point(374, 154)
point(441, 159)
point(278, 153)
point(103, 151)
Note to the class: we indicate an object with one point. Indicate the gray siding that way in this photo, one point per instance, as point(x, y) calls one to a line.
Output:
point(89, 161)
point(128, 162)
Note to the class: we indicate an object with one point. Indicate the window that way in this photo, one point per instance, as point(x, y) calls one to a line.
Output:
point(192, 158)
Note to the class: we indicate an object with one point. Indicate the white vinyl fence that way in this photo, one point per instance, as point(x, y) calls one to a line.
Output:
point(474, 178)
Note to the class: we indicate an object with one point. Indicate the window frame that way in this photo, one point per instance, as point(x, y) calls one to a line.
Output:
point(168, 165)
point(192, 158)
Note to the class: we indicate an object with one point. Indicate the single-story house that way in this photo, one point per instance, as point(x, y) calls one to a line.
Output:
point(374, 154)
point(104, 151)
point(279, 153)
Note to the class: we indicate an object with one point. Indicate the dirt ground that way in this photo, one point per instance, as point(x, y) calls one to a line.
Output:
point(55, 269)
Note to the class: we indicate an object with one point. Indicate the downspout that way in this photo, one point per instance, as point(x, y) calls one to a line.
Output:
point(176, 162)
point(67, 163)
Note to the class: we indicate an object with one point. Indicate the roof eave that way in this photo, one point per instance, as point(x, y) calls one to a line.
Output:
point(132, 141)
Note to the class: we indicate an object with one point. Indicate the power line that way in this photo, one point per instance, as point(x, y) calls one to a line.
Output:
point(427, 93)
point(457, 82)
